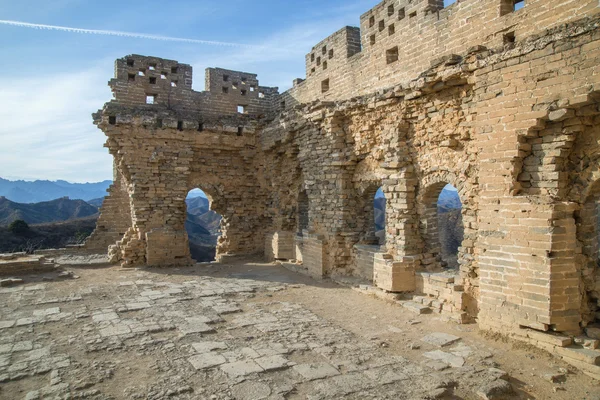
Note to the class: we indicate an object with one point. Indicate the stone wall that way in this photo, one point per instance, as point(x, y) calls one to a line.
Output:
point(503, 105)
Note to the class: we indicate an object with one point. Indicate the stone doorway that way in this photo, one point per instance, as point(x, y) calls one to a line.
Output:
point(202, 225)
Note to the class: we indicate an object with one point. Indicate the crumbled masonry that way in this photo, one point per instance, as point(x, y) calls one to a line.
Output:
point(502, 104)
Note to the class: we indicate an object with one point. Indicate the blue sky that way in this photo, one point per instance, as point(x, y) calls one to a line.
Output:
point(54, 80)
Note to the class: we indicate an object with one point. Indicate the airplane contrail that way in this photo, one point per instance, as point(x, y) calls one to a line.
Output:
point(124, 34)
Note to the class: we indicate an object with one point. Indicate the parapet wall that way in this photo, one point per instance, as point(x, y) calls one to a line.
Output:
point(401, 38)
point(150, 81)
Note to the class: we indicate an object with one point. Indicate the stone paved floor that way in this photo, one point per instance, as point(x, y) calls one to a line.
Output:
point(200, 334)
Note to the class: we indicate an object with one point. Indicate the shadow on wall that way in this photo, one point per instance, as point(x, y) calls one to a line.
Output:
point(202, 226)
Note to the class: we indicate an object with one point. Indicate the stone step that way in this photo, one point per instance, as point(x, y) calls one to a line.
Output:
point(415, 307)
point(587, 356)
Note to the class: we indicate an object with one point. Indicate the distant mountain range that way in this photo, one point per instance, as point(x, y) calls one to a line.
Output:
point(49, 211)
point(37, 191)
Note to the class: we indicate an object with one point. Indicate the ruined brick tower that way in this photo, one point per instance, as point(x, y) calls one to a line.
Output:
point(504, 104)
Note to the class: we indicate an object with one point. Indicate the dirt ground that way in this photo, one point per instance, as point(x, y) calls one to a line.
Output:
point(249, 331)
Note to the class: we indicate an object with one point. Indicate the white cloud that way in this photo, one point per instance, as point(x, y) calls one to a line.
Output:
point(47, 130)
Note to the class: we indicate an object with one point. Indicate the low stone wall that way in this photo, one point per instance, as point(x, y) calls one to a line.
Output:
point(364, 260)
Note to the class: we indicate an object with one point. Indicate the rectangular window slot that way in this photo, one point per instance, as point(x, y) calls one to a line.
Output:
point(372, 39)
point(318, 61)
point(151, 98)
point(391, 55)
point(324, 64)
point(152, 67)
point(130, 63)
point(518, 4)
point(241, 109)
point(381, 25)
point(131, 77)
point(324, 50)
point(391, 29)
point(112, 120)
point(179, 125)
point(413, 14)
point(225, 78)
point(173, 83)
point(372, 22)
point(244, 81)
point(174, 70)
point(240, 131)
point(325, 86)
point(200, 127)
point(163, 75)
point(312, 71)
point(390, 10)
point(330, 53)
point(252, 88)
point(401, 14)
point(141, 72)
point(283, 104)
point(234, 85)
point(159, 123)
point(225, 89)
point(152, 81)
point(261, 95)
point(312, 57)
point(243, 92)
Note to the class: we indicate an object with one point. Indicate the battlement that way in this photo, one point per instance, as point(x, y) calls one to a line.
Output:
point(155, 83)
point(398, 39)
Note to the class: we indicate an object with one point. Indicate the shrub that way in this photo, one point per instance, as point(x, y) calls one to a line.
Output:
point(19, 227)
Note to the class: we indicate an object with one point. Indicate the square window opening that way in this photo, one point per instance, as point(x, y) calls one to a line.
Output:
point(412, 14)
point(152, 67)
point(261, 95)
point(401, 14)
point(312, 71)
point(234, 85)
point(241, 109)
point(151, 98)
point(225, 89)
point(372, 39)
point(225, 78)
point(283, 104)
point(179, 125)
point(325, 86)
point(131, 77)
point(518, 4)
point(174, 70)
point(174, 83)
point(130, 63)
point(330, 53)
point(371, 22)
point(244, 80)
point(112, 120)
point(391, 29)
point(381, 25)
point(163, 75)
point(252, 88)
point(390, 10)
point(141, 72)
point(391, 55)
point(152, 80)
point(243, 92)
point(509, 38)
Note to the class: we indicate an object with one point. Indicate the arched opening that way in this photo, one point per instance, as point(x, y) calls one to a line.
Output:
point(440, 223)
point(203, 226)
point(450, 226)
point(379, 216)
